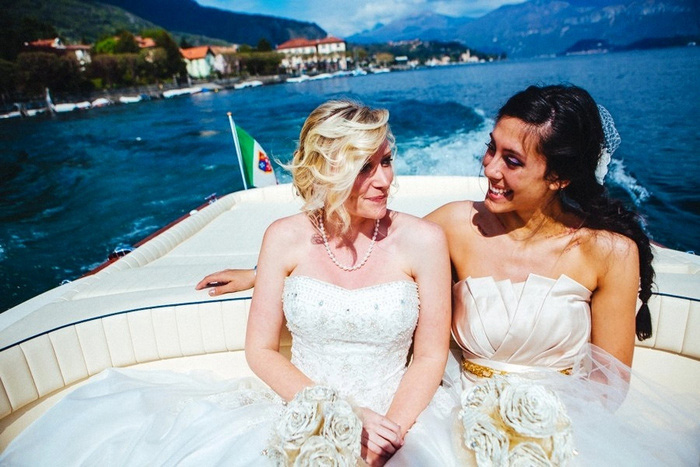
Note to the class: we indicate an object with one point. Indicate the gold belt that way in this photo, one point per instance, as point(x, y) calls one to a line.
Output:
point(487, 372)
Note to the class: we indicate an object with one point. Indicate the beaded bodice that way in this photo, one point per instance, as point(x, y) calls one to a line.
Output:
point(355, 340)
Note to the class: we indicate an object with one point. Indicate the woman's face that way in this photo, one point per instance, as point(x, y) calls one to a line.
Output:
point(515, 170)
point(369, 195)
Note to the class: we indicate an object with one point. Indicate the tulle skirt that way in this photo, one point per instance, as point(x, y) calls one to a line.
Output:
point(618, 418)
point(129, 417)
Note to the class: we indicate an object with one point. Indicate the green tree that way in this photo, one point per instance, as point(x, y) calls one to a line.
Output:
point(126, 44)
point(173, 63)
point(104, 70)
point(13, 34)
point(158, 64)
point(107, 45)
point(36, 71)
point(39, 70)
point(263, 45)
point(8, 70)
point(260, 63)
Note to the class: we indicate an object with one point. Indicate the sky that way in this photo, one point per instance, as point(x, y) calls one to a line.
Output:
point(343, 18)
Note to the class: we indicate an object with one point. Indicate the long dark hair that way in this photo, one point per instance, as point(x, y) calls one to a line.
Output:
point(570, 135)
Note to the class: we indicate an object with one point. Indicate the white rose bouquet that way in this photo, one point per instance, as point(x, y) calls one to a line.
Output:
point(512, 421)
point(316, 428)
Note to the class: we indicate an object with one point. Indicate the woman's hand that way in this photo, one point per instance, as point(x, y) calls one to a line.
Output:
point(381, 437)
point(228, 281)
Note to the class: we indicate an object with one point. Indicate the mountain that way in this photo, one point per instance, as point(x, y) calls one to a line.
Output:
point(548, 27)
point(426, 26)
point(73, 20)
point(189, 17)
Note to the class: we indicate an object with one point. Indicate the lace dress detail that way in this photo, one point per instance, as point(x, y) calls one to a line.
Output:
point(355, 340)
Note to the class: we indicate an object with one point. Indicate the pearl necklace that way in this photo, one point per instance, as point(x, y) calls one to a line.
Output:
point(335, 260)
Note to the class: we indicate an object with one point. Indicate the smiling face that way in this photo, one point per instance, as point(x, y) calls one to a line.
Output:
point(516, 170)
point(370, 192)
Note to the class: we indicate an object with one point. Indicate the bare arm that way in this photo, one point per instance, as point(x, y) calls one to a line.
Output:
point(431, 270)
point(228, 281)
point(266, 317)
point(614, 301)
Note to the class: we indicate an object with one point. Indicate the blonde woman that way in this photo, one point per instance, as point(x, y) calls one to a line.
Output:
point(358, 286)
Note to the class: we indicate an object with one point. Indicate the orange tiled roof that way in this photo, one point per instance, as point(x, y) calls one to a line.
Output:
point(329, 40)
point(294, 43)
point(222, 50)
point(145, 42)
point(43, 43)
point(195, 53)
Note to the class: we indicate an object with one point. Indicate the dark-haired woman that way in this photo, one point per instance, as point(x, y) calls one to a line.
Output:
point(546, 223)
point(549, 269)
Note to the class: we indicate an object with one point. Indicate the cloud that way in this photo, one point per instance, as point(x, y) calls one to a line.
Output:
point(343, 18)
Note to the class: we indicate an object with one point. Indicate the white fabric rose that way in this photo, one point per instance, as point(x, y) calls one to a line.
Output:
point(300, 420)
point(490, 445)
point(530, 409)
point(278, 456)
point(317, 394)
point(483, 396)
point(563, 449)
point(319, 451)
point(528, 455)
point(342, 427)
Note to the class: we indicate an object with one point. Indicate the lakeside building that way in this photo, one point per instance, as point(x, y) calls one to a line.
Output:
point(305, 55)
point(145, 42)
point(56, 46)
point(223, 63)
point(205, 60)
point(200, 61)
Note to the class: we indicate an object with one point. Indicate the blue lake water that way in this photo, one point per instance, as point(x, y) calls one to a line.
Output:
point(74, 186)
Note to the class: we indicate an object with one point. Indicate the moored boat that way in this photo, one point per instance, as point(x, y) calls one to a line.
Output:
point(248, 84)
point(181, 92)
point(142, 309)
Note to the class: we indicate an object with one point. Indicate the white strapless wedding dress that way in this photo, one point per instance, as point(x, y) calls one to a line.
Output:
point(542, 326)
point(356, 341)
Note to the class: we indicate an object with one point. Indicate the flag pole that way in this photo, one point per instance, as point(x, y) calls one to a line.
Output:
point(238, 148)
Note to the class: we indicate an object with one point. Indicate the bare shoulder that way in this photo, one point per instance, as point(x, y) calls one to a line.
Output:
point(288, 230)
point(607, 247)
point(451, 214)
point(415, 231)
point(451, 208)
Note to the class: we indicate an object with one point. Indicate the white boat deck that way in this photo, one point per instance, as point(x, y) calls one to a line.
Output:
point(143, 309)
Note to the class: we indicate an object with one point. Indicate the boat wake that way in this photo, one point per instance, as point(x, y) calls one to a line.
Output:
point(618, 175)
point(457, 154)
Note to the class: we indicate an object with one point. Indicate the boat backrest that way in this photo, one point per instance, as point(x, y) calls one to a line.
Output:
point(49, 362)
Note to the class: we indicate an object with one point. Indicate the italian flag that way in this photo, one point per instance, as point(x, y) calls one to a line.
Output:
point(253, 161)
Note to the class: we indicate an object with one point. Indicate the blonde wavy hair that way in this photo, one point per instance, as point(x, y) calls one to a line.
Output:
point(336, 141)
